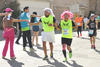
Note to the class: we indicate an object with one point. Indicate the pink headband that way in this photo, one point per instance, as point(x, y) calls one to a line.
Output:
point(67, 12)
point(8, 10)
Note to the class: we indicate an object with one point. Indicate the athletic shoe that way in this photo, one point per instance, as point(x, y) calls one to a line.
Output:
point(37, 45)
point(24, 49)
point(91, 46)
point(94, 47)
point(65, 60)
point(45, 58)
point(77, 36)
point(70, 54)
point(51, 55)
point(3, 57)
point(32, 44)
point(17, 42)
point(80, 34)
point(13, 58)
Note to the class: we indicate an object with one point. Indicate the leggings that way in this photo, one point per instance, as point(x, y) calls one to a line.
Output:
point(79, 30)
point(9, 36)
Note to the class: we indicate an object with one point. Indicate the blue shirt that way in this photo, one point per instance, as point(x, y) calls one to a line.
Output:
point(24, 16)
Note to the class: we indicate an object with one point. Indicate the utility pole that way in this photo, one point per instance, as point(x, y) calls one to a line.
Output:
point(96, 6)
point(51, 4)
point(5, 3)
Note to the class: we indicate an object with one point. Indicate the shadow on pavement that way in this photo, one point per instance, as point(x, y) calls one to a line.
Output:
point(39, 47)
point(85, 38)
point(97, 38)
point(33, 54)
point(14, 63)
point(74, 64)
point(98, 51)
point(54, 64)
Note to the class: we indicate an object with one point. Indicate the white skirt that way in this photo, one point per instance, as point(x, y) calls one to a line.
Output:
point(48, 36)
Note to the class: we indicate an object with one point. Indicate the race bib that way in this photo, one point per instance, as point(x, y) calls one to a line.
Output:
point(91, 31)
point(78, 23)
point(66, 31)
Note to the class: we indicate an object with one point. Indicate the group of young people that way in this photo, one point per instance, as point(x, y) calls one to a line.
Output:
point(48, 35)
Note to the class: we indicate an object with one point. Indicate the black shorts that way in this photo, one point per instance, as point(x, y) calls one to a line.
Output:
point(79, 28)
point(94, 33)
point(66, 41)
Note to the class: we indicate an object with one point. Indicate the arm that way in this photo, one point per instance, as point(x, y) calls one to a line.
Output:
point(96, 24)
point(2, 14)
point(34, 23)
point(18, 20)
point(3, 25)
point(87, 24)
point(35, 15)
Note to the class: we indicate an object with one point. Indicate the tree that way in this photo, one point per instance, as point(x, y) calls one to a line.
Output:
point(15, 6)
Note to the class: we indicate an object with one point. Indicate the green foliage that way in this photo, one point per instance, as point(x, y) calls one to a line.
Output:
point(13, 5)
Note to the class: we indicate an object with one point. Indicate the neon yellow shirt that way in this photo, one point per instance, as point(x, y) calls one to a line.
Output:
point(66, 29)
point(45, 22)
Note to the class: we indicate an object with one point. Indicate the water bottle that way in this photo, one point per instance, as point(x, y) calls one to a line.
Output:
point(9, 17)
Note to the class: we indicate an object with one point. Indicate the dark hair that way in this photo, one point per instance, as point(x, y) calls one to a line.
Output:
point(25, 8)
point(35, 13)
point(21, 12)
point(80, 15)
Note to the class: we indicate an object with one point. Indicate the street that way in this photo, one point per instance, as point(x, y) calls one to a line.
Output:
point(83, 55)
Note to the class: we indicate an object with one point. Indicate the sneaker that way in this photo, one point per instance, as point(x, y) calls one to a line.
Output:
point(51, 55)
point(77, 36)
point(80, 34)
point(70, 54)
point(24, 49)
point(45, 58)
point(3, 57)
point(32, 44)
point(37, 45)
point(65, 60)
point(91, 46)
point(13, 58)
point(32, 49)
point(17, 42)
point(94, 47)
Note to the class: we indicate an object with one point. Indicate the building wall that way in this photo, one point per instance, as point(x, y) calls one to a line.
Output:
point(94, 5)
point(34, 5)
point(76, 6)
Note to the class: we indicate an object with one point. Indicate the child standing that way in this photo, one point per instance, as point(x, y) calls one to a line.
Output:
point(9, 33)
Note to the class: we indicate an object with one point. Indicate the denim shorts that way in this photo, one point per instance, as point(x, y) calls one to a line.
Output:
point(35, 28)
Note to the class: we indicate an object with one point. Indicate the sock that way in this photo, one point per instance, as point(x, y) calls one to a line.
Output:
point(64, 53)
point(70, 51)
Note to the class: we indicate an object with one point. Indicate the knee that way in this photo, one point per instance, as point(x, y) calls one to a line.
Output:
point(68, 47)
point(64, 47)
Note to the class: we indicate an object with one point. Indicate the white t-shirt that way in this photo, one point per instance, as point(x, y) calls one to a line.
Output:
point(85, 20)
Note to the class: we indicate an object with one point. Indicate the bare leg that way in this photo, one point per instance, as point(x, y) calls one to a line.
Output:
point(91, 39)
point(33, 37)
point(44, 47)
point(69, 48)
point(37, 34)
point(51, 47)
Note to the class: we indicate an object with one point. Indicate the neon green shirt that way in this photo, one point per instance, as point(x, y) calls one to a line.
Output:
point(66, 29)
point(45, 22)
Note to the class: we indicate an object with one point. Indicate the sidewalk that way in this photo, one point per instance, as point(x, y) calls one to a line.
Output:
point(83, 56)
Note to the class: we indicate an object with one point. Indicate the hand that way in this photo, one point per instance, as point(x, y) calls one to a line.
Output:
point(27, 21)
point(50, 24)
point(30, 24)
point(33, 15)
point(57, 28)
point(3, 14)
point(56, 24)
point(87, 26)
